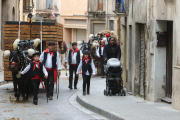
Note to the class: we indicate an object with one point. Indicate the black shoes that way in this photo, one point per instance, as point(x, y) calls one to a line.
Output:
point(70, 87)
point(75, 87)
point(50, 98)
point(35, 102)
point(88, 93)
point(84, 93)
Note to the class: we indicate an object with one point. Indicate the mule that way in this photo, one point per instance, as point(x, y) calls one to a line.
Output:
point(22, 83)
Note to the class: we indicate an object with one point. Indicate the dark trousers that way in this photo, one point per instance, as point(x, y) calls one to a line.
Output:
point(50, 80)
point(71, 70)
point(86, 81)
point(102, 66)
point(35, 83)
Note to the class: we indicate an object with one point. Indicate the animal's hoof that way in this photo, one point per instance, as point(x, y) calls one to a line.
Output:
point(17, 99)
point(24, 100)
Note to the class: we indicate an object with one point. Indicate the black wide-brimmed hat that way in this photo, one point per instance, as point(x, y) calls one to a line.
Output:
point(36, 53)
point(51, 44)
point(86, 52)
point(74, 43)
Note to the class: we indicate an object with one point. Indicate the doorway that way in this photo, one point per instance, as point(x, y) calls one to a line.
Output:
point(163, 61)
point(169, 58)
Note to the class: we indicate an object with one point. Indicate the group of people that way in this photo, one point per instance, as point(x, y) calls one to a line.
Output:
point(78, 60)
point(49, 64)
point(107, 51)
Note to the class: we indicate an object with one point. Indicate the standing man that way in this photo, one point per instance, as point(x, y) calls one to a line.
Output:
point(74, 57)
point(112, 50)
point(100, 55)
point(50, 58)
point(108, 37)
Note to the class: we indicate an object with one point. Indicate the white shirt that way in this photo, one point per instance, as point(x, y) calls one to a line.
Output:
point(87, 73)
point(97, 52)
point(108, 39)
point(29, 66)
point(73, 57)
point(48, 63)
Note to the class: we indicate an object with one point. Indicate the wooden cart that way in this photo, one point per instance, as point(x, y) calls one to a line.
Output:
point(51, 31)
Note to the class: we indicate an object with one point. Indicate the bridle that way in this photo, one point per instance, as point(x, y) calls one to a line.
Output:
point(13, 63)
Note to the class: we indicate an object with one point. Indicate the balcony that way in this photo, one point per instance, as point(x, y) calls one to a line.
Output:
point(120, 7)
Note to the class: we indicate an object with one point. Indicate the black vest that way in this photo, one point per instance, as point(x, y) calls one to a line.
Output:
point(77, 57)
point(37, 71)
point(86, 67)
point(53, 59)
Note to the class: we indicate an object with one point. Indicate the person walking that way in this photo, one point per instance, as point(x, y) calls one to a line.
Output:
point(50, 58)
point(37, 69)
point(74, 56)
point(112, 50)
point(88, 68)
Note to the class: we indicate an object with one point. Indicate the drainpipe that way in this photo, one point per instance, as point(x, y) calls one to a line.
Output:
point(106, 14)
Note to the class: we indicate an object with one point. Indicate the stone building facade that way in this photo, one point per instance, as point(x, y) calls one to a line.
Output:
point(150, 41)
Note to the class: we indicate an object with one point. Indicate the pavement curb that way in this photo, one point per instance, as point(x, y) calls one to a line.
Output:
point(100, 111)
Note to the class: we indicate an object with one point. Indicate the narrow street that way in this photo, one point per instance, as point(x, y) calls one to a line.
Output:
point(125, 52)
point(57, 109)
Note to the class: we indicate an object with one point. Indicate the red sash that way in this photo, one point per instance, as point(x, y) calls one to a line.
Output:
point(37, 77)
point(55, 74)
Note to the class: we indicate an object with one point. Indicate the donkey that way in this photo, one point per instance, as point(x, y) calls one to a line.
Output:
point(22, 83)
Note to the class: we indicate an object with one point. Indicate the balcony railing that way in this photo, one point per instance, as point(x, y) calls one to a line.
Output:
point(120, 7)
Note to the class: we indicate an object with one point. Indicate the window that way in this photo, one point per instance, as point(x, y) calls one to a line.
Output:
point(111, 25)
point(49, 4)
point(26, 5)
point(100, 5)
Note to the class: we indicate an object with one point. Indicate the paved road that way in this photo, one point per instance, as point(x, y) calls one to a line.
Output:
point(54, 110)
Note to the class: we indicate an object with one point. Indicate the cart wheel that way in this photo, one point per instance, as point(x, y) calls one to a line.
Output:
point(110, 92)
point(107, 93)
point(124, 91)
point(104, 92)
point(122, 94)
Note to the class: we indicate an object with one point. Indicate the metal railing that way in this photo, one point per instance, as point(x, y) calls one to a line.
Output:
point(120, 7)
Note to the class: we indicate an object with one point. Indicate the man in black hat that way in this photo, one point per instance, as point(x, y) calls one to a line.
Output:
point(50, 58)
point(37, 69)
point(74, 57)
